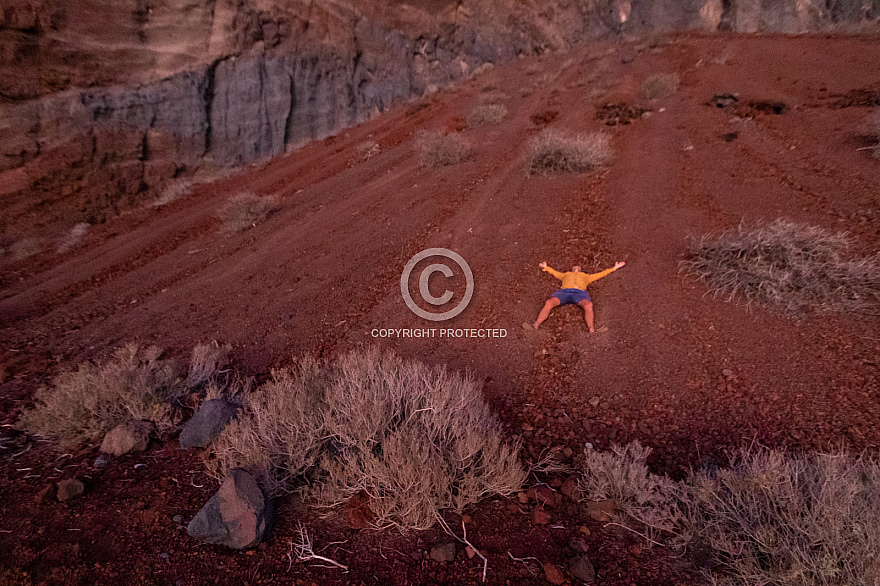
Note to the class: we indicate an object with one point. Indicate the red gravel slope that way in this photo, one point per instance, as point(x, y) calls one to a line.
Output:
point(682, 372)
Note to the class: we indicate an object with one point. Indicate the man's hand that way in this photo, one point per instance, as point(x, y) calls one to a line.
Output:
point(618, 264)
point(543, 265)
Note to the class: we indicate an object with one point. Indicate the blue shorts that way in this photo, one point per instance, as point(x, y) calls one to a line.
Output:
point(573, 296)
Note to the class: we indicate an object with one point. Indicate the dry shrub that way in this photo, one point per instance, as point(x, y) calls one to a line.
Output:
point(552, 152)
point(26, 248)
point(546, 80)
point(135, 383)
point(436, 149)
point(787, 266)
point(769, 518)
point(206, 362)
point(647, 503)
point(775, 519)
point(245, 210)
point(173, 191)
point(367, 150)
point(278, 435)
point(415, 439)
point(725, 56)
point(486, 114)
point(82, 405)
point(73, 237)
point(660, 85)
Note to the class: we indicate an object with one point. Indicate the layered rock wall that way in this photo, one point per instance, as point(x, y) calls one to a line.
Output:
point(103, 100)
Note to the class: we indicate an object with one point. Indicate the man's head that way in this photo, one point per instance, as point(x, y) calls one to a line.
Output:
point(576, 269)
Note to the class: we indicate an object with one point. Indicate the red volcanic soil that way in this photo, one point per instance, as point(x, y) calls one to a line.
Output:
point(678, 370)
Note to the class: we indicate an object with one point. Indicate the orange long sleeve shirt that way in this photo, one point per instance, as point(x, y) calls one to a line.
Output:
point(572, 280)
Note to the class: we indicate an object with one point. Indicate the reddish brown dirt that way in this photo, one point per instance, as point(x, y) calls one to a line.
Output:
point(322, 273)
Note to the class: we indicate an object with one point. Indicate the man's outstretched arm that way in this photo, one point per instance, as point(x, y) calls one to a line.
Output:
point(553, 272)
point(597, 276)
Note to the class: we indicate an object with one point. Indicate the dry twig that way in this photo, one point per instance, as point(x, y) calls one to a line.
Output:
point(465, 541)
point(634, 531)
point(305, 553)
point(524, 561)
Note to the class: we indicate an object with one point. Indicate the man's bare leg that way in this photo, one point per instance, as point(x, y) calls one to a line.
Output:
point(545, 311)
point(588, 313)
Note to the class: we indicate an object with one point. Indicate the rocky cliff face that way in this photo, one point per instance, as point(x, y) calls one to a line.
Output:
point(103, 100)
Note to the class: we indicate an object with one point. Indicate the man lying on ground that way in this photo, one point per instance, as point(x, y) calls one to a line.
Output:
point(573, 291)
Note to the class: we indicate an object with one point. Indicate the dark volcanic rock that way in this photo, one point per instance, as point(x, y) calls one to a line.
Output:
point(131, 436)
point(207, 423)
point(582, 569)
point(553, 574)
point(237, 516)
point(69, 488)
point(443, 553)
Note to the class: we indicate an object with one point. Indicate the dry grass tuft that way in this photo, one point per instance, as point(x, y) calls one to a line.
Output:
point(646, 503)
point(415, 439)
point(367, 150)
point(73, 237)
point(486, 115)
point(173, 191)
point(796, 520)
point(246, 210)
point(206, 362)
point(786, 266)
point(660, 85)
point(26, 248)
point(552, 152)
point(436, 149)
point(82, 405)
